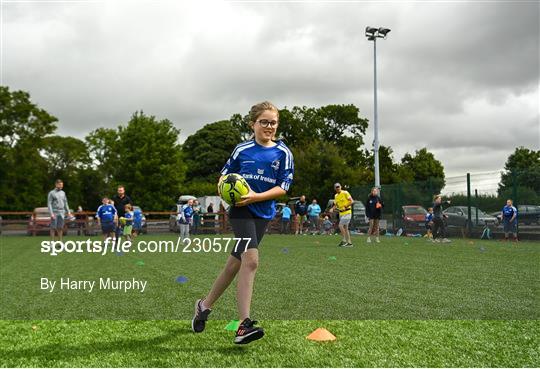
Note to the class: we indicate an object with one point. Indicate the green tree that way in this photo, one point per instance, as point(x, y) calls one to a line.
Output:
point(206, 151)
point(338, 124)
point(66, 158)
point(23, 173)
point(424, 169)
point(150, 161)
point(318, 165)
point(103, 144)
point(522, 168)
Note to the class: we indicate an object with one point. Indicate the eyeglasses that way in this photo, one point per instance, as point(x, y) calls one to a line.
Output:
point(265, 123)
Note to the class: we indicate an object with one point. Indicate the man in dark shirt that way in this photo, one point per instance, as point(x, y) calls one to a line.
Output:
point(120, 201)
point(300, 209)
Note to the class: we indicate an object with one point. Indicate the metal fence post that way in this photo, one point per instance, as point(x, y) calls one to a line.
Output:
point(469, 228)
point(476, 203)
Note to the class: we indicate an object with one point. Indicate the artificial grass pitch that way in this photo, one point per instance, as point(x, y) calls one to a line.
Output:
point(400, 278)
point(366, 296)
point(372, 343)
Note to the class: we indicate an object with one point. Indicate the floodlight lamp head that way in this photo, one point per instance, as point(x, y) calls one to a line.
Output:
point(382, 32)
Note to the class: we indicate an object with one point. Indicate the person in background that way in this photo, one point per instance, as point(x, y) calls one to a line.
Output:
point(509, 217)
point(209, 219)
point(313, 211)
point(127, 222)
point(286, 213)
point(58, 208)
point(120, 200)
point(185, 219)
point(343, 203)
point(80, 218)
point(439, 224)
point(300, 209)
point(107, 218)
point(327, 225)
point(374, 206)
point(137, 221)
point(196, 217)
point(429, 223)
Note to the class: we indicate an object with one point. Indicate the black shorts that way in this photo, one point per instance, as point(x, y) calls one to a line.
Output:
point(246, 225)
point(107, 227)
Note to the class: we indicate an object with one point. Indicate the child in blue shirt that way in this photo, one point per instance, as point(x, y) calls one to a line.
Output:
point(107, 218)
point(267, 165)
point(429, 223)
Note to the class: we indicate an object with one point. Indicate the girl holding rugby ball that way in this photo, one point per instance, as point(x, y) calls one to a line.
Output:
point(267, 166)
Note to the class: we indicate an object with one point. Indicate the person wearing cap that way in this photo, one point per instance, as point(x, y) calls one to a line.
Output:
point(343, 203)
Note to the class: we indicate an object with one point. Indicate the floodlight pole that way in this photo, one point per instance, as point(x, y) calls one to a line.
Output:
point(372, 34)
point(375, 117)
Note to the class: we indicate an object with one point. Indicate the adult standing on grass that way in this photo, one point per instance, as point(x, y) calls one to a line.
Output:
point(300, 210)
point(268, 167)
point(314, 210)
point(509, 217)
point(439, 224)
point(343, 203)
point(120, 200)
point(374, 206)
point(196, 217)
point(185, 219)
point(58, 208)
point(286, 213)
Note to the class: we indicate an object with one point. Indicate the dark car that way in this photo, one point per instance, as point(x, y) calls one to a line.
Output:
point(414, 216)
point(527, 214)
point(457, 216)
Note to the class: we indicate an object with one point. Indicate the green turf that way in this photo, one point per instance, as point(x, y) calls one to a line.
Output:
point(399, 279)
point(358, 344)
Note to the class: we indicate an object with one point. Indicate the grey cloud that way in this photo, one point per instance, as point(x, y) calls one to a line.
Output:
point(452, 88)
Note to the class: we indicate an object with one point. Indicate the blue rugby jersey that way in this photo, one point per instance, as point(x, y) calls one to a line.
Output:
point(263, 168)
point(508, 212)
point(106, 213)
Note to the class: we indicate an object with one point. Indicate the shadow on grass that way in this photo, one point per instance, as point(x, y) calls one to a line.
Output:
point(146, 347)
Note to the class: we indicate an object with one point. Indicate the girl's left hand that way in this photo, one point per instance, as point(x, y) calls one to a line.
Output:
point(250, 198)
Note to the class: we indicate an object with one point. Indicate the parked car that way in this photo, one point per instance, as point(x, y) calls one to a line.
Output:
point(414, 216)
point(457, 216)
point(359, 219)
point(40, 222)
point(527, 214)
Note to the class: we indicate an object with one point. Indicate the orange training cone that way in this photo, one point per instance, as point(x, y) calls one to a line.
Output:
point(321, 334)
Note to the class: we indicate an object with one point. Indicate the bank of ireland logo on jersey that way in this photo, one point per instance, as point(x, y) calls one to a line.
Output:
point(275, 165)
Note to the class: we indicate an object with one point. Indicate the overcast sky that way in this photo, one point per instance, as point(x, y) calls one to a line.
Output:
point(459, 78)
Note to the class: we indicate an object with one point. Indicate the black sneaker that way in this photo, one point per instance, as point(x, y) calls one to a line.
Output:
point(348, 244)
point(342, 243)
point(198, 323)
point(247, 332)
